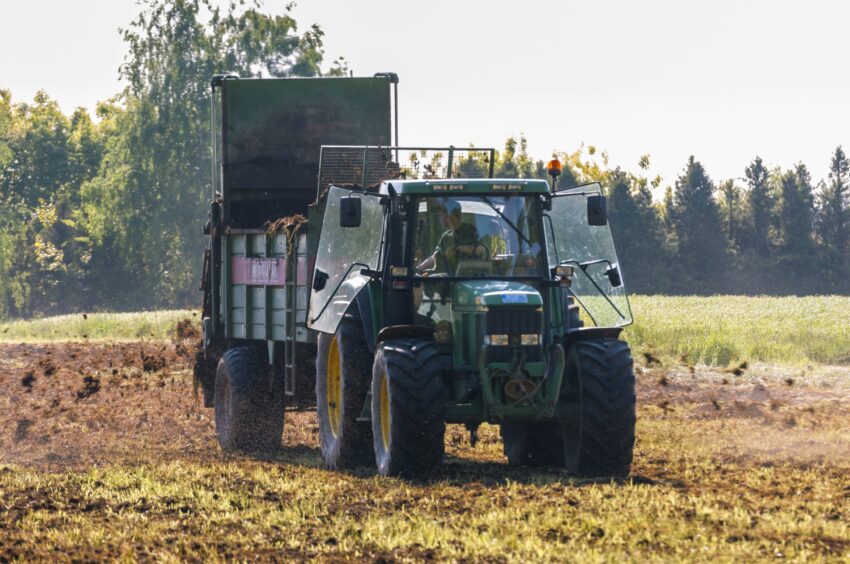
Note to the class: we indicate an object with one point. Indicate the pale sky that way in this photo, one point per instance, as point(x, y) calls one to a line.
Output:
point(723, 80)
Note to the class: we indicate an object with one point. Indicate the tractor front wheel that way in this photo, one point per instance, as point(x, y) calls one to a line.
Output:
point(599, 432)
point(343, 366)
point(409, 401)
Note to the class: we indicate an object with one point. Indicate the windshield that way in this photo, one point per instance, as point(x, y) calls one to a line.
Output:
point(478, 235)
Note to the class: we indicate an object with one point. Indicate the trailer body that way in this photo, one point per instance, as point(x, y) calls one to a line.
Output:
point(266, 141)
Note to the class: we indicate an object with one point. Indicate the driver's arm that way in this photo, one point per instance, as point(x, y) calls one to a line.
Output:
point(427, 264)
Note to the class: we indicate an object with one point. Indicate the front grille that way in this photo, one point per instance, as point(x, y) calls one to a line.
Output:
point(514, 320)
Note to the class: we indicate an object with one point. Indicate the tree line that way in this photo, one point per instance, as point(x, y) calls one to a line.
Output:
point(770, 231)
point(105, 213)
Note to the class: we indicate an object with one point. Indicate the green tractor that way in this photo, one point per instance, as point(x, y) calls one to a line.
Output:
point(413, 286)
point(458, 301)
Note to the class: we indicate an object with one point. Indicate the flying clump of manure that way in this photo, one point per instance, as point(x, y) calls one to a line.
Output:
point(91, 385)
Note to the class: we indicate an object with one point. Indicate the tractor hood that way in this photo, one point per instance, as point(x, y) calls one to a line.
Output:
point(495, 293)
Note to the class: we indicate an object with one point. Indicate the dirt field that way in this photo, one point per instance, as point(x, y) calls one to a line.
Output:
point(106, 452)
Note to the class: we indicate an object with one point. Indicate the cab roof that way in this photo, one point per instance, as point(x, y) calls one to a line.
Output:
point(458, 186)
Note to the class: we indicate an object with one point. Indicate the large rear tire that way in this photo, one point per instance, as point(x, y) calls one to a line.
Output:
point(249, 407)
point(343, 374)
point(409, 401)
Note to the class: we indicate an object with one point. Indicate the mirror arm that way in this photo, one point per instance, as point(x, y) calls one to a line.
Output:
point(583, 267)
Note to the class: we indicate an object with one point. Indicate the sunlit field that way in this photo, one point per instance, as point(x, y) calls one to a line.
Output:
point(718, 331)
point(96, 326)
point(107, 452)
point(730, 329)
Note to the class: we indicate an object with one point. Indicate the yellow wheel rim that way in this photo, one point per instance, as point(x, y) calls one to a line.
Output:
point(385, 411)
point(334, 387)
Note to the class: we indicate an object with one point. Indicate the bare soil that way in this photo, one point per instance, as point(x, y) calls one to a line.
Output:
point(77, 406)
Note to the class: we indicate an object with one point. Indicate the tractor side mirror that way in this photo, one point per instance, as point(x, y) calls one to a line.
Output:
point(614, 277)
point(597, 210)
point(320, 279)
point(349, 212)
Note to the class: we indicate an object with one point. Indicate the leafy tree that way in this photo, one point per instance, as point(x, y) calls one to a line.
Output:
point(38, 137)
point(151, 195)
point(14, 274)
point(6, 153)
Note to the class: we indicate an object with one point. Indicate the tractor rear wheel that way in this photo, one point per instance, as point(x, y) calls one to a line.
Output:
point(343, 371)
point(599, 433)
point(249, 408)
point(409, 401)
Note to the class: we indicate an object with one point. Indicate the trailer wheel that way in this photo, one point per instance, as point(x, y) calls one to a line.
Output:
point(533, 443)
point(599, 435)
point(248, 409)
point(409, 401)
point(204, 372)
point(343, 373)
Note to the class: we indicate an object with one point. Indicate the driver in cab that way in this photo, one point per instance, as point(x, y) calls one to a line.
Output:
point(460, 241)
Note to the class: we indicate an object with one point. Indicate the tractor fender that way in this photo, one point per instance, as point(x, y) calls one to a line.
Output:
point(586, 333)
point(394, 332)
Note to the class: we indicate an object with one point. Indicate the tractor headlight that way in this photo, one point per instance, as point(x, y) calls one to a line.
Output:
point(530, 340)
point(496, 340)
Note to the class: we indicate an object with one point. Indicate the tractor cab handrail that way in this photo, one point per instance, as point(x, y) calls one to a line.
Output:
point(369, 165)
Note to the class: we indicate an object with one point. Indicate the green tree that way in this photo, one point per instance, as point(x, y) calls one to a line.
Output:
point(6, 153)
point(38, 137)
point(796, 214)
point(696, 222)
point(761, 205)
point(730, 209)
point(833, 213)
point(636, 228)
point(151, 194)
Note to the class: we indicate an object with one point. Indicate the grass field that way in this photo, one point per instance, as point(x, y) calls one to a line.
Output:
point(95, 327)
point(106, 453)
point(716, 331)
point(724, 329)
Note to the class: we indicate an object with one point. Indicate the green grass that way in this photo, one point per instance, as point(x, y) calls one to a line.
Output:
point(709, 330)
point(724, 329)
point(95, 327)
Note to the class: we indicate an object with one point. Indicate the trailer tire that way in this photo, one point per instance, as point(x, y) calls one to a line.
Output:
point(204, 372)
point(599, 436)
point(343, 374)
point(409, 401)
point(249, 409)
